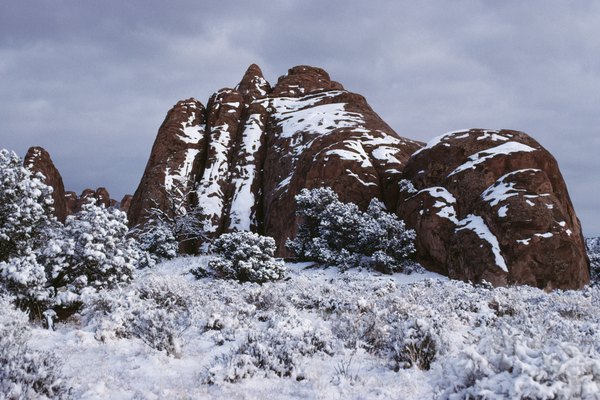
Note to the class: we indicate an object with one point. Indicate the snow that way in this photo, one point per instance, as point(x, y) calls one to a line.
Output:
point(241, 215)
point(476, 224)
point(296, 115)
point(446, 207)
point(210, 195)
point(386, 154)
point(502, 211)
point(355, 176)
point(353, 151)
point(340, 335)
point(439, 139)
point(502, 190)
point(484, 155)
point(184, 172)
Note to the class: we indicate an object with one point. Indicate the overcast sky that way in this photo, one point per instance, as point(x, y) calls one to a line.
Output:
point(92, 81)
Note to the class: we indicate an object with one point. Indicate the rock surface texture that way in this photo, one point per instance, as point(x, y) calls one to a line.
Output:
point(487, 205)
point(492, 205)
point(37, 159)
point(255, 147)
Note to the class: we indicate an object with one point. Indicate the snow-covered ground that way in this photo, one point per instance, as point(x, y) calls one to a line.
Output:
point(325, 334)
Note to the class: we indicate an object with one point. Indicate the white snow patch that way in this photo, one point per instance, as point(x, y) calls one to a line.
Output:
point(353, 151)
point(484, 155)
point(502, 211)
point(386, 154)
point(241, 215)
point(446, 207)
point(439, 139)
point(352, 174)
point(476, 224)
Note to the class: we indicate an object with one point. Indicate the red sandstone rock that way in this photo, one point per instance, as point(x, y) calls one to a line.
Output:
point(37, 159)
point(493, 206)
point(177, 158)
point(262, 145)
point(125, 203)
point(102, 197)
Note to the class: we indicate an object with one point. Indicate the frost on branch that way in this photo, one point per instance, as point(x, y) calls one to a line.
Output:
point(336, 233)
point(247, 257)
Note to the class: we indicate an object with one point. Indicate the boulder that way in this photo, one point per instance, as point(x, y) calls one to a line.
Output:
point(493, 206)
point(37, 159)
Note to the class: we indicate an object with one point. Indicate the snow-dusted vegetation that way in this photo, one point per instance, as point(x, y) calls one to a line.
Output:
point(85, 312)
point(323, 333)
point(337, 233)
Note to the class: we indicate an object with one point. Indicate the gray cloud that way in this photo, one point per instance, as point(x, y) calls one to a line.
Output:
point(91, 82)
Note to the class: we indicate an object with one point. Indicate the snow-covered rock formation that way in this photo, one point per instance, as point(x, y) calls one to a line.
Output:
point(486, 205)
point(492, 205)
point(255, 148)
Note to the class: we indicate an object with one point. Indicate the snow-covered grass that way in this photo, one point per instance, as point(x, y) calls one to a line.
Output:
point(325, 334)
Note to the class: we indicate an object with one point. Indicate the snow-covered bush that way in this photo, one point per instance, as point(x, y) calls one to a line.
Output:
point(26, 373)
point(25, 207)
point(158, 240)
point(91, 251)
point(511, 365)
point(156, 311)
point(336, 233)
point(247, 257)
point(593, 250)
point(277, 350)
point(26, 220)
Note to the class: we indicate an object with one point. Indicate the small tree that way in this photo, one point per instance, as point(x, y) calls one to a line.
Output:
point(337, 233)
point(26, 218)
point(92, 250)
point(247, 257)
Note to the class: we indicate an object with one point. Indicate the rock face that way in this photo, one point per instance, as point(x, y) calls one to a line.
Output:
point(256, 147)
point(320, 135)
point(125, 203)
point(37, 159)
point(493, 206)
point(487, 205)
point(179, 152)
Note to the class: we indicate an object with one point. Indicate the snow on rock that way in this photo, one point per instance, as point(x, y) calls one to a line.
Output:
point(482, 156)
point(476, 224)
point(172, 167)
point(242, 212)
point(514, 187)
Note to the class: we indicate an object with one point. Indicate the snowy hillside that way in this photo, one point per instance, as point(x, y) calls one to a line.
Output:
point(321, 334)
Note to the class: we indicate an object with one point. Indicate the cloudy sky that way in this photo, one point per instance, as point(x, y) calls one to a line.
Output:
point(91, 81)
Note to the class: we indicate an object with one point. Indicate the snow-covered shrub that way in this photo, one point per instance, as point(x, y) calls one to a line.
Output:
point(25, 207)
point(593, 250)
point(276, 350)
point(156, 310)
point(158, 240)
point(509, 364)
point(336, 233)
point(91, 251)
point(247, 257)
point(26, 219)
point(26, 373)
